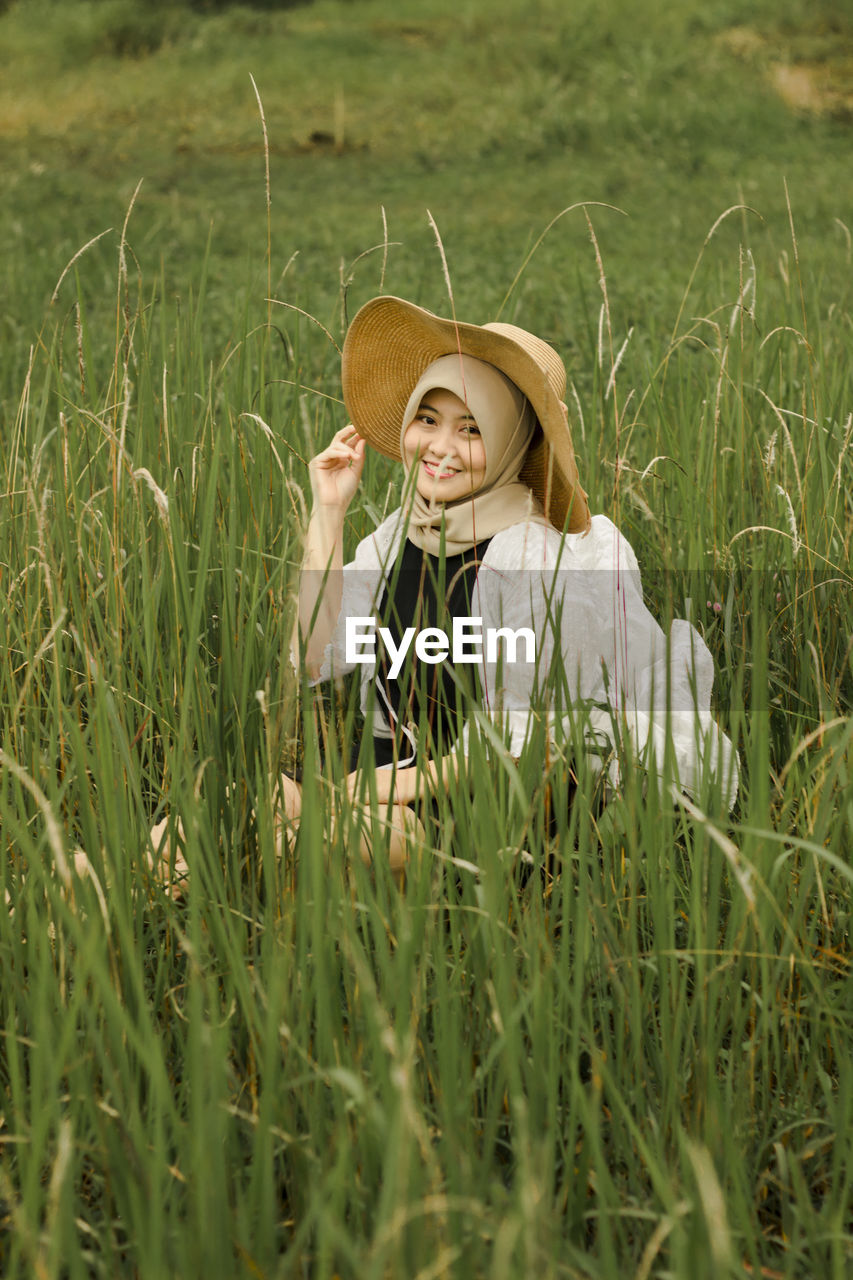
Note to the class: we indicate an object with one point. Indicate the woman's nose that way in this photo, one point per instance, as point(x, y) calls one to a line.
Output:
point(444, 442)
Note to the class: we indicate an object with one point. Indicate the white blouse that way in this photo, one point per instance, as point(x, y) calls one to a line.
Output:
point(581, 595)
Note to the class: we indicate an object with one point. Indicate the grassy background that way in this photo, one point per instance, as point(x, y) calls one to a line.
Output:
point(494, 120)
point(637, 1062)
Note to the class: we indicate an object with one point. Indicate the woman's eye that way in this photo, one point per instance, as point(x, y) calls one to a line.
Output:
point(471, 430)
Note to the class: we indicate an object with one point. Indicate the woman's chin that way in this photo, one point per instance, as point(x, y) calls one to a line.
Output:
point(441, 491)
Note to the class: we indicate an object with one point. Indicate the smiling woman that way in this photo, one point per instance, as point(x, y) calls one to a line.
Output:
point(494, 533)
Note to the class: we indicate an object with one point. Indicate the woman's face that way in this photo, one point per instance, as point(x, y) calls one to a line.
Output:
point(446, 441)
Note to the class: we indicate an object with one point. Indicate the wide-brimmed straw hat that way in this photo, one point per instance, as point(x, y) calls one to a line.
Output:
point(391, 343)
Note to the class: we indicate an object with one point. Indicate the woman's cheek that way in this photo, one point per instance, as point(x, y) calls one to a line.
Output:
point(412, 447)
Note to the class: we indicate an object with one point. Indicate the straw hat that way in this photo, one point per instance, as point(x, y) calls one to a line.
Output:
point(391, 343)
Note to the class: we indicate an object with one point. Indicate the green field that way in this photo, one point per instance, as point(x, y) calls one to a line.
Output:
point(635, 1060)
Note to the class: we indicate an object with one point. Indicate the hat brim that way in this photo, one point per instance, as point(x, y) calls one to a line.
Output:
point(390, 344)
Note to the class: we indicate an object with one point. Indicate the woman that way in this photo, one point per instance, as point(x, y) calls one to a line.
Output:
point(493, 528)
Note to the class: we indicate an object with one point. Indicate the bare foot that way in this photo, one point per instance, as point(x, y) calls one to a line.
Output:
point(160, 858)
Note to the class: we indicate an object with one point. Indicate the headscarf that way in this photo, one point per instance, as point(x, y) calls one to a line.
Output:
point(506, 423)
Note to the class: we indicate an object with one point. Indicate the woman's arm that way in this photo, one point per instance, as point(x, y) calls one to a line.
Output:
point(319, 585)
point(335, 474)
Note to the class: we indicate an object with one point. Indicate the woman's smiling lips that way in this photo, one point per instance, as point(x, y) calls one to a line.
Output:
point(430, 469)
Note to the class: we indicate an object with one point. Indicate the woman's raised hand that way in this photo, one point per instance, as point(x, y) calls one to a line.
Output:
point(336, 472)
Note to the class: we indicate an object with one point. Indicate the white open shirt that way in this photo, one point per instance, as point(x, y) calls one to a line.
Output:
point(581, 594)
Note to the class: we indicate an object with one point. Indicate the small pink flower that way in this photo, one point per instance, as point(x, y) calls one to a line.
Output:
point(715, 605)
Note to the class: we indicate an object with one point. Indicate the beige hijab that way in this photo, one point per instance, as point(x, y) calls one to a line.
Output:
point(506, 423)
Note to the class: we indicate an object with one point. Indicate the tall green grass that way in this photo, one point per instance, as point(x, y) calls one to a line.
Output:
point(618, 1047)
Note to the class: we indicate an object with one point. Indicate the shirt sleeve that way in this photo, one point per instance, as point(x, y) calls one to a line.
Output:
point(362, 583)
point(581, 597)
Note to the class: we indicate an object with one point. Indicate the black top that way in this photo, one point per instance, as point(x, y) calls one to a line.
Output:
point(422, 591)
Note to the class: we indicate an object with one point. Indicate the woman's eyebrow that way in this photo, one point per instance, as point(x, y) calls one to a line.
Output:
point(424, 405)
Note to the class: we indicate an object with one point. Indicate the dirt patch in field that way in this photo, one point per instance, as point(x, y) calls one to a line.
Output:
point(819, 83)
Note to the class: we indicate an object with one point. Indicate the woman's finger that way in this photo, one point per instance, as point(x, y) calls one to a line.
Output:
point(341, 440)
point(335, 454)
